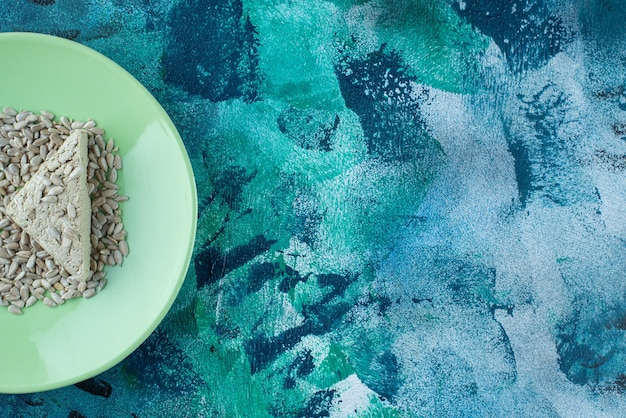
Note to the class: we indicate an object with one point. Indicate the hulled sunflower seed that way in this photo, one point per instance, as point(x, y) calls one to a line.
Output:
point(32, 299)
point(81, 287)
point(57, 298)
point(11, 297)
point(75, 173)
point(54, 233)
point(47, 114)
point(65, 121)
point(55, 191)
point(8, 110)
point(89, 124)
point(24, 292)
point(56, 179)
point(71, 211)
point(15, 310)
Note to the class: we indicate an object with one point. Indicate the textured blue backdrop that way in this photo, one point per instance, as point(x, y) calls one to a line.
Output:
point(407, 207)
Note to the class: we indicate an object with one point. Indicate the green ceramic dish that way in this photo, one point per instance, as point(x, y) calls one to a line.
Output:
point(47, 348)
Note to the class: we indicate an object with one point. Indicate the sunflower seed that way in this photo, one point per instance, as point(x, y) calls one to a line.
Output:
point(81, 287)
point(52, 273)
point(97, 202)
point(15, 310)
point(19, 303)
point(56, 179)
point(21, 116)
point(102, 162)
point(107, 208)
point(39, 293)
point(71, 211)
point(113, 203)
point(66, 243)
point(9, 111)
point(32, 299)
point(11, 296)
point(108, 192)
point(117, 255)
point(54, 233)
point(65, 121)
point(46, 121)
point(13, 267)
point(23, 254)
point(55, 191)
point(56, 139)
point(36, 160)
point(24, 292)
point(110, 159)
point(19, 125)
point(100, 175)
point(75, 173)
point(113, 175)
point(57, 298)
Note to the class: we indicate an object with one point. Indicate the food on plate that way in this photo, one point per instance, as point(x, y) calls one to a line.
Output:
point(60, 209)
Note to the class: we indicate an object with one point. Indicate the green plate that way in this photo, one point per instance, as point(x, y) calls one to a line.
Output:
point(46, 348)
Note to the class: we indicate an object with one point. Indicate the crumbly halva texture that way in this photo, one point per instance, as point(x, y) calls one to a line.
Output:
point(54, 206)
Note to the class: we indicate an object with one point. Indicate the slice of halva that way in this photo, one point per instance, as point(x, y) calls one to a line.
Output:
point(54, 206)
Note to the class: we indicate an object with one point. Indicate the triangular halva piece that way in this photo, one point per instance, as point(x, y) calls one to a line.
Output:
point(54, 207)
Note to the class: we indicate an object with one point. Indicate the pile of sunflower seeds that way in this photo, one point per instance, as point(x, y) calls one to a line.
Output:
point(28, 273)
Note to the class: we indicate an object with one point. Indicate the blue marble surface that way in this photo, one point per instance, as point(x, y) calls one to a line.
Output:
point(406, 208)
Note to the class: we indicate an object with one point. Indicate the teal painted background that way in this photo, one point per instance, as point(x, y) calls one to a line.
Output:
point(406, 207)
